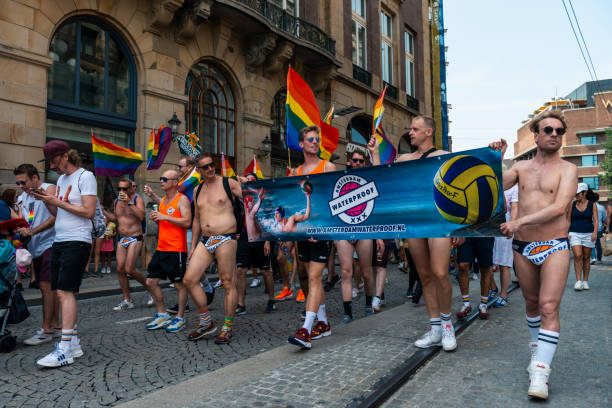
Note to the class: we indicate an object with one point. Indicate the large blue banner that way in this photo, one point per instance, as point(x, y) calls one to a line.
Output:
point(458, 194)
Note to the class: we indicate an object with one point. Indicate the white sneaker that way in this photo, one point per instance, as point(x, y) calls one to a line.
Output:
point(255, 283)
point(218, 284)
point(40, 337)
point(585, 285)
point(150, 302)
point(429, 339)
point(578, 285)
point(75, 349)
point(376, 304)
point(57, 358)
point(533, 349)
point(449, 342)
point(593, 261)
point(124, 305)
point(538, 380)
point(355, 293)
point(108, 270)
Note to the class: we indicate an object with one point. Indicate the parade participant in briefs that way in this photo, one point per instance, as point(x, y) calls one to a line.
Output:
point(547, 185)
point(431, 255)
point(74, 206)
point(41, 234)
point(312, 253)
point(128, 215)
point(215, 222)
point(168, 261)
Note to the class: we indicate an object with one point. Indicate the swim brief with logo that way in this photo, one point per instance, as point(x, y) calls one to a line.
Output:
point(538, 251)
point(127, 241)
point(212, 243)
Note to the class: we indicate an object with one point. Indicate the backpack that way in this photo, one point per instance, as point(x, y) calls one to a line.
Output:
point(237, 204)
point(98, 223)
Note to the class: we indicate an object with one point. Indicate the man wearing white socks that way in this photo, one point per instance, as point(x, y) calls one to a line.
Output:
point(547, 184)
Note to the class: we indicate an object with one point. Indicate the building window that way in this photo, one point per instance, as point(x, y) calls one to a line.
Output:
point(588, 140)
point(589, 161)
point(592, 182)
point(290, 6)
point(359, 130)
point(409, 55)
point(211, 112)
point(91, 85)
point(358, 26)
point(386, 31)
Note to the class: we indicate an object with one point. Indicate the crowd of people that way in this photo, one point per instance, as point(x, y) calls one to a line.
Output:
point(548, 212)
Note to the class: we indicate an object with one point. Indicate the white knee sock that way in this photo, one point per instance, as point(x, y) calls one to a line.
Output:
point(547, 345)
point(534, 327)
point(321, 314)
point(308, 322)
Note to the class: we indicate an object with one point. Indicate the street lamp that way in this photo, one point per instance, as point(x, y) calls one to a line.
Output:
point(266, 147)
point(174, 124)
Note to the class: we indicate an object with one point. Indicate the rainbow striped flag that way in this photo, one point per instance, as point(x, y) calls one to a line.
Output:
point(253, 167)
point(329, 115)
point(330, 136)
point(385, 147)
point(379, 109)
point(301, 108)
point(226, 168)
point(189, 182)
point(158, 147)
point(112, 160)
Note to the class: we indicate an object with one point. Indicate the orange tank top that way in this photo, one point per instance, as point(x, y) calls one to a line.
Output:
point(319, 169)
point(172, 238)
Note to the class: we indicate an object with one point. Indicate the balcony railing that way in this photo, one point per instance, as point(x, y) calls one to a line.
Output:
point(412, 102)
point(362, 75)
point(295, 26)
point(391, 90)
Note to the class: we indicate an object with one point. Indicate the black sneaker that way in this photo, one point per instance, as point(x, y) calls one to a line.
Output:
point(240, 310)
point(329, 285)
point(210, 296)
point(271, 307)
point(174, 309)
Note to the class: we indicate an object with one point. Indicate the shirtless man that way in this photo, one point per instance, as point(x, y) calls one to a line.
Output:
point(128, 215)
point(547, 184)
point(312, 253)
point(214, 219)
point(431, 255)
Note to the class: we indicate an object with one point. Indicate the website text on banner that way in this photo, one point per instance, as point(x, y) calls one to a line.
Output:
point(458, 194)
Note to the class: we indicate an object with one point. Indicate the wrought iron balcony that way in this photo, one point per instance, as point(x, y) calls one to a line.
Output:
point(391, 90)
point(412, 102)
point(362, 75)
point(295, 26)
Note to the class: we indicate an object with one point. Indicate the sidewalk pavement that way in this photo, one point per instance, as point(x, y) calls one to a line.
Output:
point(488, 368)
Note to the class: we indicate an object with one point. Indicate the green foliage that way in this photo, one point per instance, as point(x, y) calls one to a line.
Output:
point(606, 166)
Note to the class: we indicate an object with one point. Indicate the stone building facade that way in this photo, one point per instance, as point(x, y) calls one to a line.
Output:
point(587, 113)
point(121, 68)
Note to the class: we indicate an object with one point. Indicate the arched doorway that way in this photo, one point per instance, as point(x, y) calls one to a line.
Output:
point(211, 112)
point(358, 133)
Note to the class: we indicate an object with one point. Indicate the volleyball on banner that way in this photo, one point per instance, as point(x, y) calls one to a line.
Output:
point(458, 194)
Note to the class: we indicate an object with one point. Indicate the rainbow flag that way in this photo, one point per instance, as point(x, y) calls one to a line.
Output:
point(189, 182)
point(329, 115)
point(329, 140)
point(158, 147)
point(379, 109)
point(226, 168)
point(385, 147)
point(112, 160)
point(301, 108)
point(253, 167)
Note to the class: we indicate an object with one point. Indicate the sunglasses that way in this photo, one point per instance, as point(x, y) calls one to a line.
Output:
point(124, 188)
point(165, 179)
point(20, 183)
point(312, 139)
point(549, 129)
point(358, 160)
point(207, 166)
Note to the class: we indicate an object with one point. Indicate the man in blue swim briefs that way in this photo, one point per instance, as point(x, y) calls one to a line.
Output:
point(547, 184)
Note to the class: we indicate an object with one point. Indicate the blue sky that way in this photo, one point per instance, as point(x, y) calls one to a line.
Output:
point(506, 58)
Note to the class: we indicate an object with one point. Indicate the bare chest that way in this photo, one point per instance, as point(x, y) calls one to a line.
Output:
point(213, 197)
point(539, 182)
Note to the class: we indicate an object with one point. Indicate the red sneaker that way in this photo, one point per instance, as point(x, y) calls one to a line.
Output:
point(201, 331)
point(301, 338)
point(320, 330)
point(285, 294)
point(224, 337)
point(464, 312)
point(483, 312)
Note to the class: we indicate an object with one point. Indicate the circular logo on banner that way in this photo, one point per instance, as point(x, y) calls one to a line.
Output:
point(170, 210)
point(353, 199)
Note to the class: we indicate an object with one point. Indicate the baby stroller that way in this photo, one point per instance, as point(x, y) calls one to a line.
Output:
point(12, 309)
